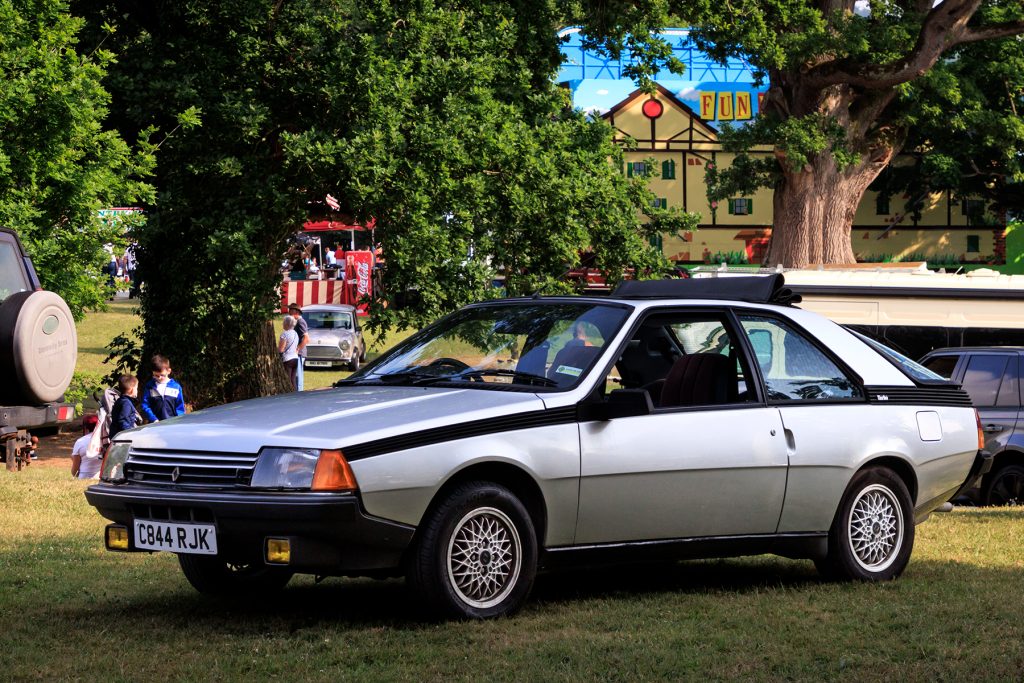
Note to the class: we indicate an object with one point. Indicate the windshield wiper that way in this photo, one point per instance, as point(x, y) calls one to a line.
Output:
point(516, 375)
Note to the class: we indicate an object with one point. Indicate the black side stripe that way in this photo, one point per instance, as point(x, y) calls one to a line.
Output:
point(528, 420)
point(939, 395)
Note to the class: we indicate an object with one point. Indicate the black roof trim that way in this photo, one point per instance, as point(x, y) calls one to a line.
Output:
point(762, 289)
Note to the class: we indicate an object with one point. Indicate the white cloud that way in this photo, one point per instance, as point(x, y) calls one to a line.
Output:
point(602, 91)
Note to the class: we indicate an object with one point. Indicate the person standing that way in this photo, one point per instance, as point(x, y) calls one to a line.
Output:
point(84, 466)
point(302, 330)
point(129, 270)
point(162, 397)
point(124, 415)
point(287, 346)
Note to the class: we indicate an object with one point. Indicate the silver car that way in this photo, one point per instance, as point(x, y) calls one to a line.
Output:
point(335, 337)
point(675, 419)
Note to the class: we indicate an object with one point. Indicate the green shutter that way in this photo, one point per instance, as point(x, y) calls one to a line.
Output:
point(664, 203)
point(668, 169)
point(750, 206)
point(732, 206)
point(629, 169)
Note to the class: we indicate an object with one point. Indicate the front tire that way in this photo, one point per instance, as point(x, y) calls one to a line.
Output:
point(353, 364)
point(476, 556)
point(872, 535)
point(212, 575)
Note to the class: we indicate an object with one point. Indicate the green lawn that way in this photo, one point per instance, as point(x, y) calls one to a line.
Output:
point(121, 317)
point(70, 610)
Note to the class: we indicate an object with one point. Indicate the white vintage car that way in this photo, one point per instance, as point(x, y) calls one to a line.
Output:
point(681, 419)
point(335, 337)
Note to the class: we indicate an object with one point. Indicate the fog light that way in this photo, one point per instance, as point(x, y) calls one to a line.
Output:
point(279, 551)
point(116, 537)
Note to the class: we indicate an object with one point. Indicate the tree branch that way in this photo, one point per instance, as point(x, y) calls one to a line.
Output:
point(943, 28)
point(1004, 30)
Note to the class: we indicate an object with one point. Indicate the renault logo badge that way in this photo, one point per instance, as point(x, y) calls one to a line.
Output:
point(175, 473)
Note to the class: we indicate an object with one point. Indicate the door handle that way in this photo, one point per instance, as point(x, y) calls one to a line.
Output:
point(992, 429)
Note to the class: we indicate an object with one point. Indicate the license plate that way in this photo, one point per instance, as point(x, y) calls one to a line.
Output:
point(193, 539)
point(318, 363)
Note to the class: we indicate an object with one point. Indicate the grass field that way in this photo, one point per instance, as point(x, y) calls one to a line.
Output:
point(121, 316)
point(70, 610)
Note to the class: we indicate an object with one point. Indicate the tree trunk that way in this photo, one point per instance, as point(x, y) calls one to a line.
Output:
point(814, 211)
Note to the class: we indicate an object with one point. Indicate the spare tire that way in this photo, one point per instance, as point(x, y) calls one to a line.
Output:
point(38, 348)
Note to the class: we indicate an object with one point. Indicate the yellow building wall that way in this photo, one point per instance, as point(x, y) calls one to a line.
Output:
point(679, 135)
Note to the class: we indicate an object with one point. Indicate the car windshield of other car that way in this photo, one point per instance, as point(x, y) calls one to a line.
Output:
point(911, 369)
point(12, 277)
point(514, 345)
point(328, 320)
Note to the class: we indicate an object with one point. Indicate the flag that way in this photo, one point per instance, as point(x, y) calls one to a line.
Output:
point(333, 203)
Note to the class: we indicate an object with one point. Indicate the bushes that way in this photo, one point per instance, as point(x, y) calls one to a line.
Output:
point(83, 386)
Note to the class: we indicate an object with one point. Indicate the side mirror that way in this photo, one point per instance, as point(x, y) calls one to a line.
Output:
point(619, 403)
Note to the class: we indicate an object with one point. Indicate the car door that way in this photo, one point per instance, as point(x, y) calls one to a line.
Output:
point(713, 463)
point(825, 417)
point(992, 379)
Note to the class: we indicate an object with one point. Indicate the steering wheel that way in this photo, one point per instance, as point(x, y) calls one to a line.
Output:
point(454, 364)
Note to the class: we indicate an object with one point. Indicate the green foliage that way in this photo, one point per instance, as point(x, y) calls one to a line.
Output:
point(58, 166)
point(730, 258)
point(440, 121)
point(83, 386)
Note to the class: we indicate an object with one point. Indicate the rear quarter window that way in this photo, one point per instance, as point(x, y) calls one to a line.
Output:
point(12, 272)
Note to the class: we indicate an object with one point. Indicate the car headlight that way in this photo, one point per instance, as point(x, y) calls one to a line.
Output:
point(303, 468)
point(344, 345)
point(113, 462)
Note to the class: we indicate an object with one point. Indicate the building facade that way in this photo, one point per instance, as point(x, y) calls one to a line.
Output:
point(677, 127)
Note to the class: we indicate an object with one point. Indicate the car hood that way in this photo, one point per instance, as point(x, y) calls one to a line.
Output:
point(329, 336)
point(331, 418)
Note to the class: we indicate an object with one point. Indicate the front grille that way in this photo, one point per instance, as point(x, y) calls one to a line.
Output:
point(323, 352)
point(189, 468)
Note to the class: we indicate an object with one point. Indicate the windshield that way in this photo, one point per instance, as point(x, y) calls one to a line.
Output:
point(328, 320)
point(12, 274)
point(528, 346)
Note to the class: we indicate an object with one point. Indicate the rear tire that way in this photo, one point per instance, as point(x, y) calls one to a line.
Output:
point(872, 535)
point(212, 575)
point(1005, 486)
point(476, 554)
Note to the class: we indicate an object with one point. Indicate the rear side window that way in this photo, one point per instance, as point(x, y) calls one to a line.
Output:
point(1009, 393)
point(12, 271)
point(794, 369)
point(983, 377)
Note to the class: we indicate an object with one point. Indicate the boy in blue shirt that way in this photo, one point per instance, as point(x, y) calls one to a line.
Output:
point(162, 396)
point(123, 415)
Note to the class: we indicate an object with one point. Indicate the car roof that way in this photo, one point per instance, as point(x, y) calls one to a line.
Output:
point(324, 308)
point(976, 349)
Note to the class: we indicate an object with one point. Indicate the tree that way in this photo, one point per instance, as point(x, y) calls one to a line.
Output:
point(836, 111)
point(965, 117)
point(439, 121)
point(58, 166)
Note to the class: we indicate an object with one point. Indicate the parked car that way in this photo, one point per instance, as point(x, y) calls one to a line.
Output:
point(335, 337)
point(38, 351)
point(677, 418)
point(992, 377)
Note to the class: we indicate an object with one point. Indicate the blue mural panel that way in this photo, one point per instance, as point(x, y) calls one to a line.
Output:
point(597, 82)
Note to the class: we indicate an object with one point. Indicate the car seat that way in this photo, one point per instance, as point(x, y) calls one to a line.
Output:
point(700, 379)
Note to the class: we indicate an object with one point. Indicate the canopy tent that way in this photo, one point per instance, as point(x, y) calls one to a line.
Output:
point(324, 226)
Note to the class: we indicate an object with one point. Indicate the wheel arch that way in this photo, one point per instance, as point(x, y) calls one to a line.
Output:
point(514, 478)
point(1003, 458)
point(903, 469)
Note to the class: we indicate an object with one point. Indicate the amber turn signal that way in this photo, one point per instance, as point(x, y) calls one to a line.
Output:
point(333, 473)
point(116, 537)
point(279, 551)
point(981, 432)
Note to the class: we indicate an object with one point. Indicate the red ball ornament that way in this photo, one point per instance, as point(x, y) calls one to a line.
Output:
point(652, 109)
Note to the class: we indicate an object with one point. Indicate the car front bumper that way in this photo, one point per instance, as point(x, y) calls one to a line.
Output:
point(329, 533)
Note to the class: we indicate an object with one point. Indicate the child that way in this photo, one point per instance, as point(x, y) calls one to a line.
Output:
point(162, 397)
point(287, 346)
point(83, 466)
point(124, 416)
